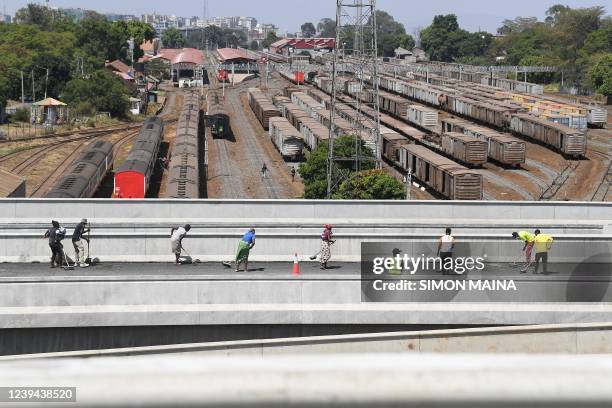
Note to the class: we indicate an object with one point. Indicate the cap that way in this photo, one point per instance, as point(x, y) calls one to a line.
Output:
point(84, 221)
point(397, 251)
point(328, 226)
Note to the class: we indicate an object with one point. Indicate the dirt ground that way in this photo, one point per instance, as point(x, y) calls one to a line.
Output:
point(235, 163)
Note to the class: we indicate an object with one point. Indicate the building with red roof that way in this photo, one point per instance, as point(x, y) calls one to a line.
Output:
point(234, 56)
point(287, 46)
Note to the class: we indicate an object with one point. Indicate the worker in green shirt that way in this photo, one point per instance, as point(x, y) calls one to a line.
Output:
point(528, 238)
point(543, 244)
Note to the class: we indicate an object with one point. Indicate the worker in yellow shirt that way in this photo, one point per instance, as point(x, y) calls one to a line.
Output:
point(528, 238)
point(542, 244)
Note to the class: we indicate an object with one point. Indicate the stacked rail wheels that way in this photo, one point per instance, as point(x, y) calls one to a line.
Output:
point(133, 177)
point(86, 174)
point(185, 176)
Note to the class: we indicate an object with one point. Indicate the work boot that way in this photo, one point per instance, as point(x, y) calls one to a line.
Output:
point(83, 265)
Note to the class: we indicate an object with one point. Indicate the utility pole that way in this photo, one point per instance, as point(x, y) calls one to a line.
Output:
point(46, 83)
point(22, 89)
point(356, 19)
point(33, 87)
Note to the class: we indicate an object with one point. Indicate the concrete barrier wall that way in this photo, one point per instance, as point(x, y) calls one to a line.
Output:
point(137, 231)
point(592, 338)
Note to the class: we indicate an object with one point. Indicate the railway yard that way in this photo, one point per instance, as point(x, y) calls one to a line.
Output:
point(460, 139)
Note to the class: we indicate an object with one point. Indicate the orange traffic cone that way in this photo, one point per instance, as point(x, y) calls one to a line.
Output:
point(296, 266)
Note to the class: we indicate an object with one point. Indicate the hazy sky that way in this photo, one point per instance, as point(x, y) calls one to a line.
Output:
point(290, 14)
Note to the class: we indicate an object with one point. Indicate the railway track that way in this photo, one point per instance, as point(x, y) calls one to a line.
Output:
point(559, 181)
point(42, 189)
point(601, 193)
point(87, 132)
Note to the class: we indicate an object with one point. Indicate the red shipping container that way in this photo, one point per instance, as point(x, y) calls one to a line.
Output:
point(298, 77)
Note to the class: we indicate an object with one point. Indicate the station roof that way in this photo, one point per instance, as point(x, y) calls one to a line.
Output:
point(189, 56)
point(305, 43)
point(229, 54)
point(10, 182)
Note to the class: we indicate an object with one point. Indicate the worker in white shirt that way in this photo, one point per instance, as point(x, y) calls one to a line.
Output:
point(176, 241)
point(446, 244)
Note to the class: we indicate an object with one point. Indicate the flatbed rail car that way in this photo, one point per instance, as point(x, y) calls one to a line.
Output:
point(287, 139)
point(262, 107)
point(569, 141)
point(465, 148)
point(85, 175)
point(217, 118)
point(444, 176)
point(133, 177)
point(184, 178)
point(501, 147)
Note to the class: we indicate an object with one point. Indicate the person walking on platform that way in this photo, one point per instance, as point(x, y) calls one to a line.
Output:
point(293, 174)
point(446, 244)
point(176, 241)
point(50, 234)
point(264, 171)
point(77, 243)
point(326, 243)
point(528, 238)
point(542, 244)
point(244, 249)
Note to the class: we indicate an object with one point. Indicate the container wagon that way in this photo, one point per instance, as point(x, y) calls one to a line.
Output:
point(85, 175)
point(133, 177)
point(465, 148)
point(565, 139)
point(262, 107)
point(286, 138)
point(422, 116)
point(440, 174)
point(502, 148)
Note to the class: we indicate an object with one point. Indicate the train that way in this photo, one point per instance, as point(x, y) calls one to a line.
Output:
point(287, 139)
point(465, 148)
point(503, 148)
point(262, 107)
point(499, 115)
point(133, 177)
point(568, 141)
point(217, 117)
point(447, 178)
point(85, 175)
point(184, 180)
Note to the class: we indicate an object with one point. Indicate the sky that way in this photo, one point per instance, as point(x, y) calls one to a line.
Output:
point(486, 15)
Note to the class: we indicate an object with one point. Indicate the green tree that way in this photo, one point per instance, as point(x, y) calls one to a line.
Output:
point(254, 45)
point(314, 170)
point(98, 41)
point(371, 185)
point(39, 16)
point(391, 34)
point(327, 28)
point(270, 39)
point(600, 74)
point(308, 30)
point(172, 38)
point(234, 38)
point(103, 90)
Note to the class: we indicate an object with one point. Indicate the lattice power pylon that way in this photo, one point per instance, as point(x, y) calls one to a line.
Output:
point(355, 53)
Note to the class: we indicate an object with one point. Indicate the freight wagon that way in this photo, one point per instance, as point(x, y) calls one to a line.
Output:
point(262, 107)
point(440, 174)
point(286, 138)
point(565, 139)
point(85, 175)
point(465, 148)
point(422, 116)
point(503, 148)
point(133, 177)
point(184, 179)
